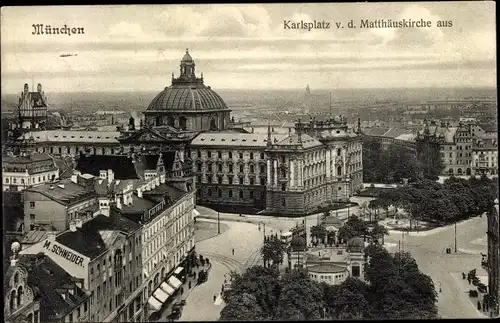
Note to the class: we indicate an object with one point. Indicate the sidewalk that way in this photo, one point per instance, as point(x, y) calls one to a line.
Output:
point(183, 296)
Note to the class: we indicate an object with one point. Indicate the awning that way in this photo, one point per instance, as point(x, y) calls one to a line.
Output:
point(154, 303)
point(160, 295)
point(178, 270)
point(195, 212)
point(174, 282)
point(167, 288)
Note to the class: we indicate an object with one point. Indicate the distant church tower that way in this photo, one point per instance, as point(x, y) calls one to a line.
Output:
point(308, 91)
point(32, 108)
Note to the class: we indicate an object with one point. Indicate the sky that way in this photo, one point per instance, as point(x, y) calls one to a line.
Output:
point(137, 48)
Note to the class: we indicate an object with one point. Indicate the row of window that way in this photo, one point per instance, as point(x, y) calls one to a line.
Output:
point(241, 194)
point(231, 180)
point(230, 168)
point(219, 154)
point(36, 180)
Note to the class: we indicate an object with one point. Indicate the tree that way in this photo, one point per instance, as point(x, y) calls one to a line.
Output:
point(242, 307)
point(319, 232)
point(348, 300)
point(273, 250)
point(301, 298)
point(379, 231)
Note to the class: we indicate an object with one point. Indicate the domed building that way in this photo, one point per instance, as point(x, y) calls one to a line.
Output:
point(188, 104)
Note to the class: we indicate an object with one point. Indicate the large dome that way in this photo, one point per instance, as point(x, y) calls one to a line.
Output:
point(187, 93)
point(187, 98)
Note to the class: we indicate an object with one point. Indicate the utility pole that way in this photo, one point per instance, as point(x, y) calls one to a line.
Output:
point(455, 237)
point(218, 222)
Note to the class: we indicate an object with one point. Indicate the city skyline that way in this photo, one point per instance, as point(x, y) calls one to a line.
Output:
point(137, 48)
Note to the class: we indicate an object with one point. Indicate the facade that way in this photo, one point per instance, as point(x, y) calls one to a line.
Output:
point(328, 273)
point(32, 109)
point(22, 172)
point(52, 206)
point(465, 149)
point(37, 290)
point(485, 155)
point(493, 263)
point(156, 194)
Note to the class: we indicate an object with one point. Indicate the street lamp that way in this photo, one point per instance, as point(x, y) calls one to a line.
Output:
point(218, 222)
point(455, 237)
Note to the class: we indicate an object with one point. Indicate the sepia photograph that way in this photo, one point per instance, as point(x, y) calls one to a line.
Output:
point(250, 162)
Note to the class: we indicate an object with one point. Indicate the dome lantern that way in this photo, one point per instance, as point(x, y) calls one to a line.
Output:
point(187, 66)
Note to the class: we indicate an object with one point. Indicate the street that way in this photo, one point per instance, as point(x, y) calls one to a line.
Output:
point(428, 248)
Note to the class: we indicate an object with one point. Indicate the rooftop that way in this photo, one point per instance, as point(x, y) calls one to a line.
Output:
point(91, 239)
point(73, 136)
point(327, 268)
point(65, 191)
point(51, 281)
point(122, 166)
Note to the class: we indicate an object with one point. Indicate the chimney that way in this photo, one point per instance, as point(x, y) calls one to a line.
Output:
point(139, 191)
point(78, 223)
point(51, 236)
point(74, 178)
point(111, 176)
point(119, 202)
point(104, 206)
point(39, 88)
point(72, 226)
point(162, 178)
point(26, 88)
point(103, 174)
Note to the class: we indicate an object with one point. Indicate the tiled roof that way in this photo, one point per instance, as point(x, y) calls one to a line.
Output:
point(51, 281)
point(32, 237)
point(122, 166)
point(26, 159)
point(65, 191)
point(88, 239)
point(377, 131)
point(327, 268)
point(293, 139)
point(395, 132)
point(187, 98)
point(225, 139)
point(64, 136)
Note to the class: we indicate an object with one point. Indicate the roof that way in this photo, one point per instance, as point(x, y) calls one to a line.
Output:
point(65, 191)
point(485, 143)
point(51, 281)
point(26, 159)
point(407, 137)
point(99, 137)
point(327, 268)
point(375, 131)
point(33, 237)
point(91, 239)
point(488, 127)
point(122, 166)
point(293, 140)
point(356, 244)
point(187, 98)
point(31, 163)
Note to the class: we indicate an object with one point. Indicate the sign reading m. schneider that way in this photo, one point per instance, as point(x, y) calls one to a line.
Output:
point(60, 251)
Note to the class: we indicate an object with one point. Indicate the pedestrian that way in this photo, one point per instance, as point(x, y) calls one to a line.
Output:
point(463, 276)
point(215, 297)
point(222, 289)
point(478, 305)
point(233, 251)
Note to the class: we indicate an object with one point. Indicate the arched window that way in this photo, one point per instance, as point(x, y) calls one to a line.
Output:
point(163, 272)
point(170, 121)
point(158, 121)
point(150, 287)
point(30, 318)
point(12, 302)
point(157, 277)
point(459, 171)
point(16, 278)
point(19, 295)
point(339, 170)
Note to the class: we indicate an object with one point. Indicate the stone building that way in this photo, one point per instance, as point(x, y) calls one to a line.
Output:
point(22, 172)
point(37, 290)
point(485, 155)
point(32, 109)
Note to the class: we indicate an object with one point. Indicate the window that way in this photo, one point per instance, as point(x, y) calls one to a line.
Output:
point(230, 193)
point(283, 187)
point(230, 168)
point(219, 179)
point(241, 180)
point(339, 151)
point(355, 271)
point(230, 154)
point(32, 217)
point(78, 312)
point(32, 205)
point(241, 168)
point(261, 155)
point(209, 154)
point(241, 194)
point(230, 180)
point(251, 194)
point(209, 192)
point(252, 181)
point(262, 169)
point(241, 155)
point(262, 181)
point(219, 193)
point(251, 155)
point(219, 154)
point(198, 167)
point(220, 167)
point(37, 316)
point(252, 168)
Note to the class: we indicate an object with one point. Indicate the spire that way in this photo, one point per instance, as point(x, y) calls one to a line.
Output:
point(187, 66)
